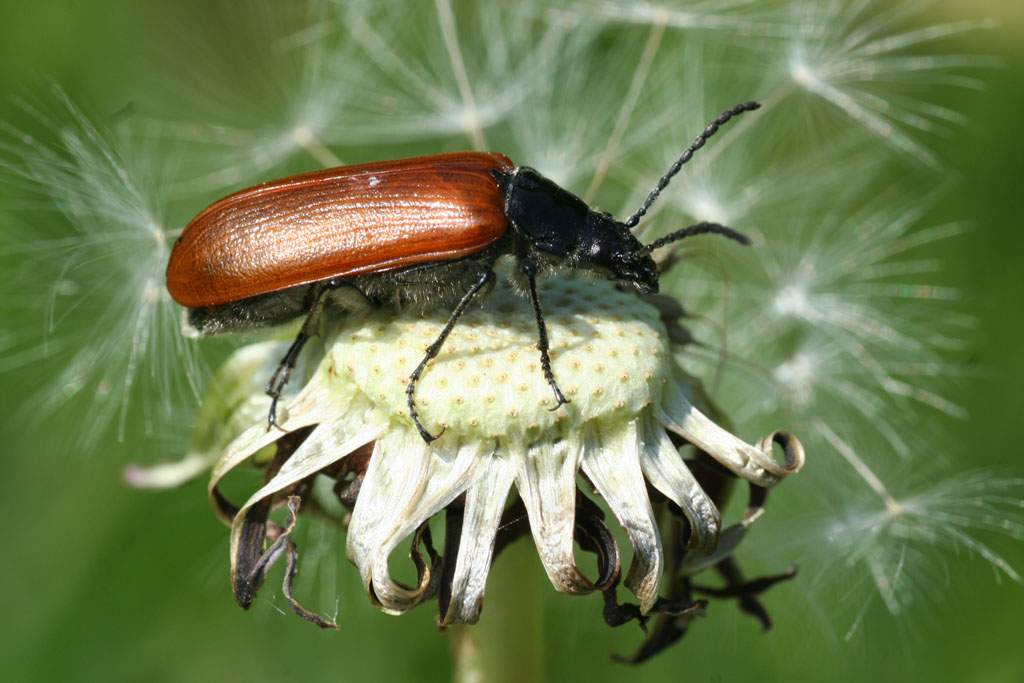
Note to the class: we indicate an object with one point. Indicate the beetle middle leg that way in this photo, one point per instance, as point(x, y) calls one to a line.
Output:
point(530, 271)
point(485, 278)
point(310, 327)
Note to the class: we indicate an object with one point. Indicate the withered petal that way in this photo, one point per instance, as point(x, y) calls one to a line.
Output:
point(755, 465)
point(610, 462)
point(292, 569)
point(406, 483)
point(325, 445)
point(481, 515)
point(667, 472)
point(315, 405)
point(249, 561)
point(545, 476)
point(249, 577)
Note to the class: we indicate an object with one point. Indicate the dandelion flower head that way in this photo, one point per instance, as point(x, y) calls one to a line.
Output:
point(346, 435)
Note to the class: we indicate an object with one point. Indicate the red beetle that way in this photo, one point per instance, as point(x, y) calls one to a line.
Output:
point(412, 233)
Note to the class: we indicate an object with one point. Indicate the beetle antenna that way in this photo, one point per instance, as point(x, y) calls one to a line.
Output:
point(698, 229)
point(710, 130)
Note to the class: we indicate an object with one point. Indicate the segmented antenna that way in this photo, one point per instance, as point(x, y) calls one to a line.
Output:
point(698, 229)
point(710, 130)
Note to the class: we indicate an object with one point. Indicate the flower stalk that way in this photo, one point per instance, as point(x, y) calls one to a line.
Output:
point(507, 644)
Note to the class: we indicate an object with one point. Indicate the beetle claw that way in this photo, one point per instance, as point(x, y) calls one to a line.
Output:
point(560, 399)
point(427, 436)
point(272, 415)
point(409, 391)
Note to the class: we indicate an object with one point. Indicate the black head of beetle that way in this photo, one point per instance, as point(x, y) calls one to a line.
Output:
point(558, 228)
point(553, 227)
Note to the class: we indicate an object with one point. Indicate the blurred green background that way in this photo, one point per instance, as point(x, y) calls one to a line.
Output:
point(104, 582)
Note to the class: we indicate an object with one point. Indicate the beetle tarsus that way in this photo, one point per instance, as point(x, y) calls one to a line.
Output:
point(560, 399)
point(272, 415)
point(310, 327)
point(530, 270)
point(279, 380)
point(409, 390)
point(486, 277)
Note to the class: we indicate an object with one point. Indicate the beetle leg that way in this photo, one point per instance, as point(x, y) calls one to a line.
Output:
point(279, 379)
point(530, 271)
point(435, 348)
point(310, 327)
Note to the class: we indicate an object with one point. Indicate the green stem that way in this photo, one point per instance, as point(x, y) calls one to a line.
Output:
point(507, 644)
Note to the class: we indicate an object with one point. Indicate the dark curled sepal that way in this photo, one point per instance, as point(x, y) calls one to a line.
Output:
point(673, 615)
point(616, 614)
point(252, 568)
point(251, 562)
point(428, 575)
point(593, 536)
point(745, 591)
point(674, 618)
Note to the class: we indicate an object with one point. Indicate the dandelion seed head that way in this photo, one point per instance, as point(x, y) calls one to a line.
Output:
point(423, 89)
point(103, 277)
point(837, 323)
point(551, 131)
point(792, 300)
point(476, 395)
point(799, 375)
point(899, 542)
point(824, 288)
point(709, 207)
point(803, 75)
point(846, 54)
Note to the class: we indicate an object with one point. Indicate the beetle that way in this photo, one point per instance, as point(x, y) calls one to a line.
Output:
point(412, 234)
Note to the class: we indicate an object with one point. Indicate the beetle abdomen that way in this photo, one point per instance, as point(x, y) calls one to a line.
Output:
point(339, 222)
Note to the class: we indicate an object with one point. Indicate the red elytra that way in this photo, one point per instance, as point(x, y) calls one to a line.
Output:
point(339, 222)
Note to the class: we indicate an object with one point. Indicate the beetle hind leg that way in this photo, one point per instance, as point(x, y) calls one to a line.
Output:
point(310, 328)
point(530, 271)
point(279, 380)
point(485, 278)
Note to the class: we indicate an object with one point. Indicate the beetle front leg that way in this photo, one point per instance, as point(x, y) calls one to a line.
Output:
point(435, 348)
point(530, 271)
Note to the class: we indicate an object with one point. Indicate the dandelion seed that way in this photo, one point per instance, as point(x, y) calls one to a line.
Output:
point(113, 264)
point(270, 93)
point(424, 89)
point(899, 541)
point(730, 18)
point(858, 57)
